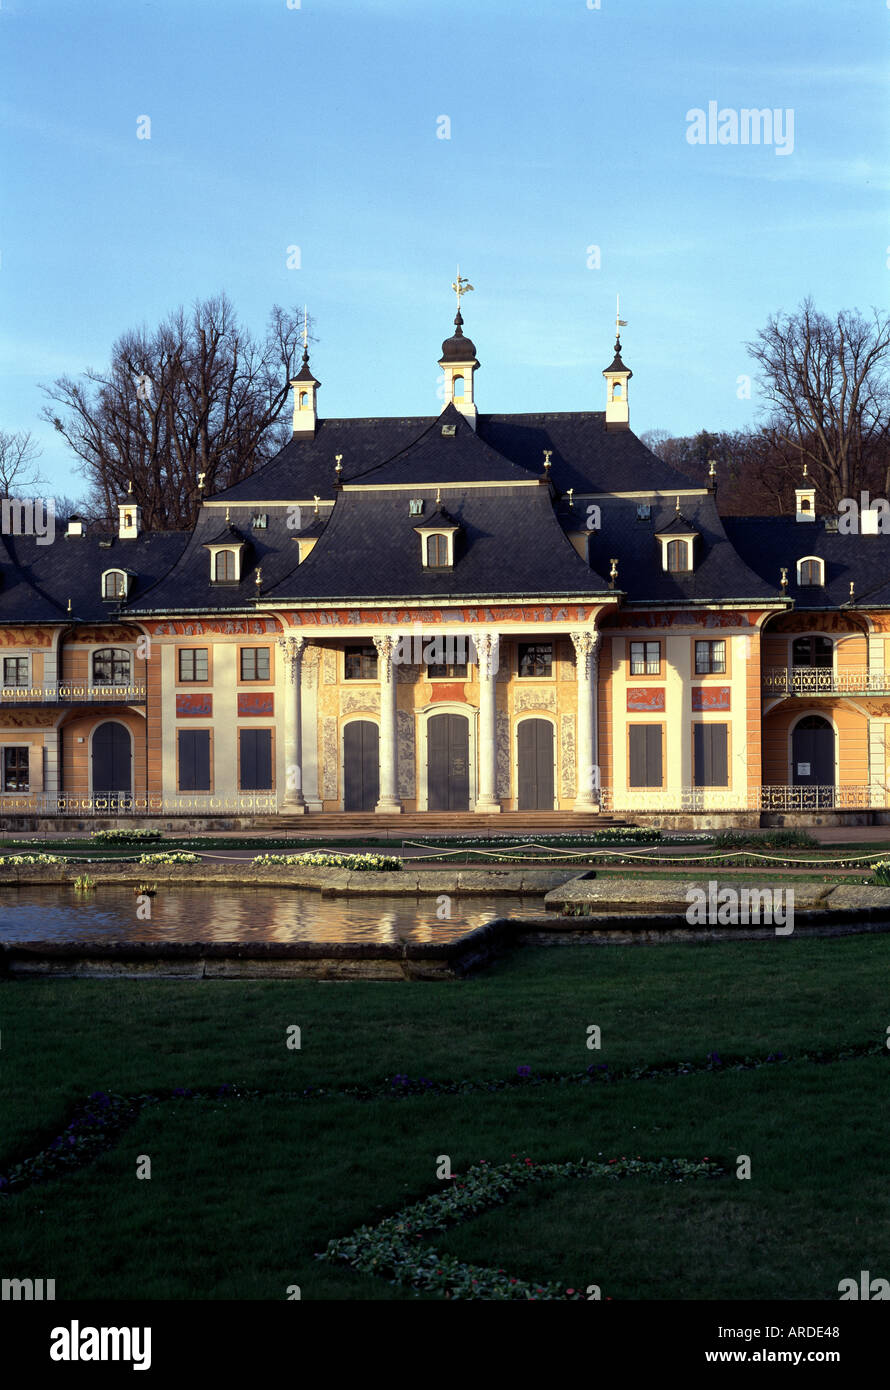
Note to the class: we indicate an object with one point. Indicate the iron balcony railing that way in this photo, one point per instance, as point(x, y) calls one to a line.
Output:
point(823, 680)
point(768, 797)
point(71, 693)
point(124, 804)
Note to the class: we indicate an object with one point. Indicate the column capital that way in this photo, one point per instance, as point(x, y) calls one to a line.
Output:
point(386, 646)
point(292, 649)
point(487, 645)
point(586, 643)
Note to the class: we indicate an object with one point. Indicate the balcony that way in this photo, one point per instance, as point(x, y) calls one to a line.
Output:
point(823, 680)
point(69, 693)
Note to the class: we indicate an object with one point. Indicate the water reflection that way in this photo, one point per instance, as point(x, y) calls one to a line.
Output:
point(241, 914)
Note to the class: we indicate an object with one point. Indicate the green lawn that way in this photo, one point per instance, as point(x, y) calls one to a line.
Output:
point(244, 1192)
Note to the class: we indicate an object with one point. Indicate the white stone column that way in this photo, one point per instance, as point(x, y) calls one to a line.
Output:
point(389, 754)
point(292, 649)
point(487, 644)
point(587, 786)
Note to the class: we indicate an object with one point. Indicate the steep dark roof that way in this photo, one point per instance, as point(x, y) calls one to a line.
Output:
point(720, 574)
point(187, 586)
point(434, 457)
point(510, 544)
point(37, 581)
point(768, 543)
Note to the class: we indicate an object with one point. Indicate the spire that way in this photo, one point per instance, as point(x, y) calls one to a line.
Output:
point(305, 386)
point(458, 360)
point(617, 376)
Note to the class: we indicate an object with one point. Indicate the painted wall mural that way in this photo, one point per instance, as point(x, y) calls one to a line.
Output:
point(645, 699)
point(255, 702)
point(198, 705)
point(708, 697)
point(398, 617)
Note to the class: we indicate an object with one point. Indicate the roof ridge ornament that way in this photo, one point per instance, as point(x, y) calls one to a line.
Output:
point(460, 286)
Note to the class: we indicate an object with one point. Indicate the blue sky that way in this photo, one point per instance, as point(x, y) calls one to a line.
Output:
point(317, 127)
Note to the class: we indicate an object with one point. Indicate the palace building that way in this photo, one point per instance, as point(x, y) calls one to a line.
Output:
point(463, 612)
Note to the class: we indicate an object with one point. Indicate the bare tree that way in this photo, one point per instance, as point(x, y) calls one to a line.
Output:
point(184, 410)
point(828, 392)
point(18, 457)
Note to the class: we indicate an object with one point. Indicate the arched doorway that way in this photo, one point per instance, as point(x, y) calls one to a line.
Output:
point(812, 757)
point(448, 763)
point(112, 764)
point(534, 749)
point(361, 765)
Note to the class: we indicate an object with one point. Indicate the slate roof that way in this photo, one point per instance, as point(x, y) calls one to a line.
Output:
point(720, 573)
point(768, 543)
point(510, 544)
point(38, 580)
point(461, 457)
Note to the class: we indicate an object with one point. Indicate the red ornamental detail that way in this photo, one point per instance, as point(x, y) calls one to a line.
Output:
point(256, 702)
point(197, 706)
point(645, 699)
point(708, 697)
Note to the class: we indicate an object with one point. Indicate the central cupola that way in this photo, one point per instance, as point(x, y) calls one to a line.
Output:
point(458, 360)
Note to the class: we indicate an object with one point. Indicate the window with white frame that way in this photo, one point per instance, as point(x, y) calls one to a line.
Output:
point(114, 584)
point(112, 666)
point(810, 571)
point(16, 670)
point(16, 768)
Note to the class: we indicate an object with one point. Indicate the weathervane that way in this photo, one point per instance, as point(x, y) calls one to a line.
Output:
point(619, 321)
point(460, 286)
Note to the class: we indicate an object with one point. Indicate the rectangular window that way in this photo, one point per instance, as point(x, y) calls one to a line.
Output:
point(645, 755)
point(645, 658)
point(254, 663)
point(710, 762)
point(15, 769)
point(194, 760)
point(360, 663)
point(535, 658)
point(193, 663)
point(255, 746)
point(449, 670)
point(15, 670)
point(710, 658)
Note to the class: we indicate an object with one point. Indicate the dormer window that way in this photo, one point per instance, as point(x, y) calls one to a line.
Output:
point(677, 540)
point(226, 555)
point(677, 557)
point(810, 571)
point(225, 566)
point(114, 584)
point(437, 548)
point(437, 540)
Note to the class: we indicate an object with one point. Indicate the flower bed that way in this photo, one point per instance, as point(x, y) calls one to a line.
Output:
point(29, 859)
point(395, 1247)
point(123, 836)
point(322, 860)
point(170, 856)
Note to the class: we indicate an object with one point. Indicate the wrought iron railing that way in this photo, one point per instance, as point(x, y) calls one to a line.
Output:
point(71, 693)
point(823, 680)
point(23, 803)
point(768, 797)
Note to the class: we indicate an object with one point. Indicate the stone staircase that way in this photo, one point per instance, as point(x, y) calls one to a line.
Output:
point(425, 823)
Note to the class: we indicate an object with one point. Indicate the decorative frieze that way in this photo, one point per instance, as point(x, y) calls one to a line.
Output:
point(536, 698)
point(567, 755)
point(503, 754)
point(330, 757)
point(359, 701)
point(405, 737)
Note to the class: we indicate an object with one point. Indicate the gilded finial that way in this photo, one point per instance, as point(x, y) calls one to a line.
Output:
point(315, 497)
point(69, 605)
point(677, 508)
point(571, 496)
point(438, 496)
point(338, 463)
point(852, 589)
point(712, 468)
point(461, 286)
point(784, 579)
point(547, 456)
point(130, 488)
point(613, 572)
point(201, 477)
point(228, 521)
point(258, 578)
